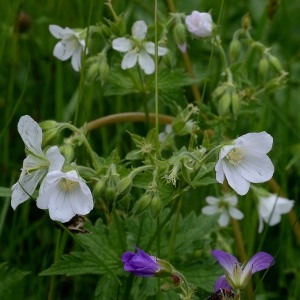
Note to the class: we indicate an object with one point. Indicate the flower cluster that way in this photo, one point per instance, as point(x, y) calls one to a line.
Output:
point(63, 194)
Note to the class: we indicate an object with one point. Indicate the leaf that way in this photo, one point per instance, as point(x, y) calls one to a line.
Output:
point(10, 280)
point(107, 288)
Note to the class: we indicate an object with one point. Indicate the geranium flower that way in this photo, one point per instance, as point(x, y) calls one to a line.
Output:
point(237, 276)
point(270, 209)
point(72, 44)
point(245, 161)
point(138, 49)
point(225, 206)
point(36, 164)
point(199, 24)
point(65, 195)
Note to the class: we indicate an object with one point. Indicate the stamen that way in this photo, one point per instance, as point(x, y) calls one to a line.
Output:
point(235, 156)
point(67, 184)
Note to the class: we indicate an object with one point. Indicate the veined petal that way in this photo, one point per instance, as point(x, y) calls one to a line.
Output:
point(226, 260)
point(260, 142)
point(55, 158)
point(122, 44)
point(219, 171)
point(57, 31)
point(256, 169)
point(129, 60)
point(62, 52)
point(260, 261)
point(235, 180)
point(139, 30)
point(150, 48)
point(24, 188)
point(221, 283)
point(146, 62)
point(31, 134)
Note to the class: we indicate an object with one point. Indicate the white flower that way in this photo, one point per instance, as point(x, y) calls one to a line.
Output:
point(225, 206)
point(199, 24)
point(271, 208)
point(245, 161)
point(36, 164)
point(72, 44)
point(138, 49)
point(65, 195)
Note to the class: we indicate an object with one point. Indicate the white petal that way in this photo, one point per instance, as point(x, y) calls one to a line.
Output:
point(146, 62)
point(31, 134)
point(235, 213)
point(256, 169)
point(60, 208)
point(62, 51)
point(27, 183)
point(122, 44)
point(261, 225)
point(56, 31)
point(76, 59)
point(82, 203)
point(129, 60)
point(209, 210)
point(150, 48)
point(219, 171)
point(139, 30)
point(212, 200)
point(223, 219)
point(235, 180)
point(55, 158)
point(232, 200)
point(258, 142)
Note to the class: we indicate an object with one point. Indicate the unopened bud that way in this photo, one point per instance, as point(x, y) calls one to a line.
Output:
point(155, 206)
point(224, 104)
point(142, 204)
point(48, 124)
point(275, 63)
point(263, 66)
point(272, 85)
point(180, 36)
point(219, 91)
point(234, 49)
point(49, 136)
point(235, 103)
point(246, 22)
point(99, 188)
point(124, 185)
point(67, 151)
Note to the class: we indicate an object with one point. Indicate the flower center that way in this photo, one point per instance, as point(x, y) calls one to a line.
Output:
point(67, 184)
point(235, 156)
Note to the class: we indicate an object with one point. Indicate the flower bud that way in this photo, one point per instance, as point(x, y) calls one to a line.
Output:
point(49, 136)
point(48, 124)
point(224, 104)
point(142, 204)
point(124, 185)
point(180, 36)
point(67, 151)
point(234, 49)
point(246, 22)
point(235, 103)
point(99, 188)
point(155, 206)
point(263, 66)
point(275, 63)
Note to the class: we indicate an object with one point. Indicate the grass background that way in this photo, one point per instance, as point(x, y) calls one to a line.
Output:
point(33, 82)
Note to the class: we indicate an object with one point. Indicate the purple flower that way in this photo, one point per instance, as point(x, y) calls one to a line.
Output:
point(237, 276)
point(140, 263)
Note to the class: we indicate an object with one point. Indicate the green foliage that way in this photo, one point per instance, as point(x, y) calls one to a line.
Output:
point(10, 281)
